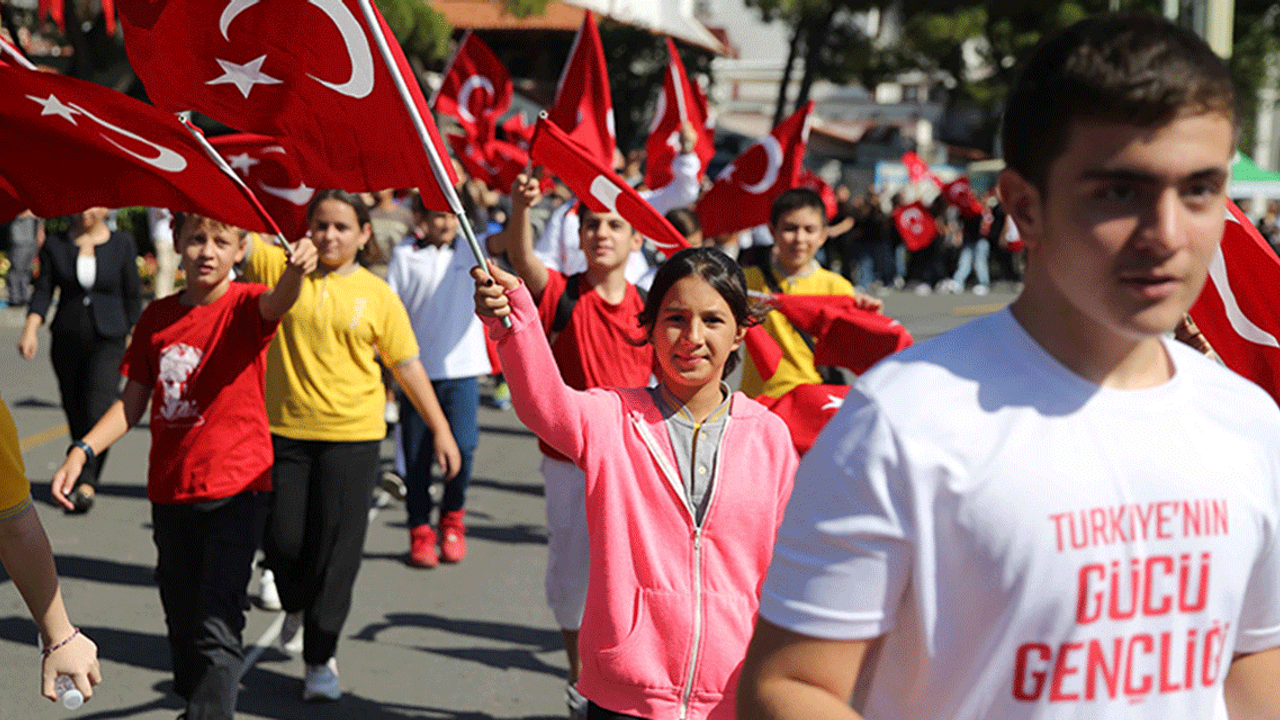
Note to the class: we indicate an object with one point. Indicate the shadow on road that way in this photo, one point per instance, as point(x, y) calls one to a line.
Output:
point(526, 642)
point(523, 488)
point(105, 571)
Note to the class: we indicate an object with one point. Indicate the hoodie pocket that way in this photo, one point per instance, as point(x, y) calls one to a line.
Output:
point(653, 652)
point(727, 627)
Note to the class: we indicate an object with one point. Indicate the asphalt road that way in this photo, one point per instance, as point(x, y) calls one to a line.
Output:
point(469, 641)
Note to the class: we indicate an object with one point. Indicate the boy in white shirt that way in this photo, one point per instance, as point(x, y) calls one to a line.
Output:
point(431, 275)
point(1082, 521)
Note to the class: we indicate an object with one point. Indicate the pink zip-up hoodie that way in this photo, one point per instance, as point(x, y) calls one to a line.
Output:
point(670, 605)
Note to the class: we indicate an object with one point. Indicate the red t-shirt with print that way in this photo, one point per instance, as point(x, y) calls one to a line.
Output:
point(206, 366)
point(601, 346)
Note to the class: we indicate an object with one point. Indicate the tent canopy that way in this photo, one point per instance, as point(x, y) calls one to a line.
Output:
point(1250, 181)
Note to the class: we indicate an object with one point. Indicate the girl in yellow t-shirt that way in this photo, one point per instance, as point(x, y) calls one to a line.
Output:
point(325, 403)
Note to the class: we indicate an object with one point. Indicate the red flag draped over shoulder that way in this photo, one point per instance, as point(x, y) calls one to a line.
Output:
point(807, 407)
point(271, 171)
point(743, 193)
point(310, 71)
point(583, 107)
point(676, 105)
point(915, 224)
point(1238, 310)
point(476, 89)
point(844, 334)
point(123, 152)
point(598, 187)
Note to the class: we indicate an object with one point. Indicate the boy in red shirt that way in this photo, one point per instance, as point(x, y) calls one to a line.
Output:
point(591, 319)
point(203, 354)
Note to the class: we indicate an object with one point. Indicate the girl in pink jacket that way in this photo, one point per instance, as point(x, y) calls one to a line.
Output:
point(686, 486)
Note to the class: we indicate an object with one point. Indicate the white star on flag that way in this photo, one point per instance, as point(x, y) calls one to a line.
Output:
point(833, 403)
point(242, 162)
point(245, 76)
point(53, 106)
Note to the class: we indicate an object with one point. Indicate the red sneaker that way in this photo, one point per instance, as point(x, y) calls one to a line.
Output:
point(453, 541)
point(422, 547)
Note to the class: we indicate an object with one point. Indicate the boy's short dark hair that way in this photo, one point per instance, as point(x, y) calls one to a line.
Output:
point(180, 221)
point(794, 199)
point(684, 220)
point(1133, 68)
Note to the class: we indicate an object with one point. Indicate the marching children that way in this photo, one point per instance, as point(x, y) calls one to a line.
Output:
point(430, 273)
point(200, 355)
point(684, 484)
point(798, 222)
point(325, 402)
point(589, 319)
point(1082, 520)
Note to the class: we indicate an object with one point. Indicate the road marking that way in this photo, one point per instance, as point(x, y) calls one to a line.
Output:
point(40, 438)
point(987, 309)
point(267, 639)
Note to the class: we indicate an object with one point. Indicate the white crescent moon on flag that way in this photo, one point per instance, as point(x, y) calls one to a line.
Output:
point(659, 110)
point(472, 84)
point(773, 152)
point(1240, 322)
point(608, 121)
point(229, 13)
point(913, 219)
point(298, 196)
point(606, 192)
point(360, 83)
point(165, 159)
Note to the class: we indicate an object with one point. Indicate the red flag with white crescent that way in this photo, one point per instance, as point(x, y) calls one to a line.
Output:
point(844, 335)
point(809, 179)
point(1238, 310)
point(676, 105)
point(599, 188)
point(806, 409)
point(960, 194)
point(915, 224)
point(583, 107)
point(743, 193)
point(917, 168)
point(271, 171)
point(476, 88)
point(124, 152)
point(518, 131)
point(312, 72)
point(494, 162)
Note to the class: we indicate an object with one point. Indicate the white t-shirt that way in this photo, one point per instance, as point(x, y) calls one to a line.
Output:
point(1032, 545)
point(436, 288)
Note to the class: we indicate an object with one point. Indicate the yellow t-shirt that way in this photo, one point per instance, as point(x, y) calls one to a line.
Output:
point(796, 366)
point(323, 379)
point(15, 490)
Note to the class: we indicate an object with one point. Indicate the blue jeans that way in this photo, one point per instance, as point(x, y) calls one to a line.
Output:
point(975, 258)
point(460, 400)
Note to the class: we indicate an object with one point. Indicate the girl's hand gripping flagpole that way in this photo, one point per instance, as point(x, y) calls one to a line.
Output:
point(433, 155)
point(231, 173)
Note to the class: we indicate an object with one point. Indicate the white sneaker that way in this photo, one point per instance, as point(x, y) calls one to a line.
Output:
point(391, 413)
point(268, 596)
point(291, 633)
point(981, 290)
point(576, 702)
point(322, 682)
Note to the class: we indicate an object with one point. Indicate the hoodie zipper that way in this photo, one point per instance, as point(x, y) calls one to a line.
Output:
point(674, 478)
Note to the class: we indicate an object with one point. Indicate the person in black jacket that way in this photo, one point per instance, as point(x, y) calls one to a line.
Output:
point(96, 273)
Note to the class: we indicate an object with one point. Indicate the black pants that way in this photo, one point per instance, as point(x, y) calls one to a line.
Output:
point(204, 556)
point(315, 532)
point(595, 712)
point(88, 369)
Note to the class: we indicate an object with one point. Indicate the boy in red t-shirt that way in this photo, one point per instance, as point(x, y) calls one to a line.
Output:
point(202, 353)
point(592, 322)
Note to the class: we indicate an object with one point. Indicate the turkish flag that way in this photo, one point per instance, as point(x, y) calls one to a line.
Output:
point(11, 55)
point(806, 409)
point(476, 88)
point(518, 131)
point(598, 187)
point(583, 107)
point(809, 179)
point(743, 193)
point(309, 71)
point(915, 224)
point(676, 105)
point(271, 171)
point(1238, 311)
point(67, 144)
point(844, 334)
point(10, 205)
point(494, 162)
point(960, 194)
point(917, 168)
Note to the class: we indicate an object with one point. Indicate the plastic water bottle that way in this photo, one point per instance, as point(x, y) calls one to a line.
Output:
point(68, 694)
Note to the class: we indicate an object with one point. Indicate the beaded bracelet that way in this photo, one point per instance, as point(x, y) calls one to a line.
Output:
point(48, 650)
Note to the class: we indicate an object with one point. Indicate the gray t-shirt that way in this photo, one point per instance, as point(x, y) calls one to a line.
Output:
point(696, 445)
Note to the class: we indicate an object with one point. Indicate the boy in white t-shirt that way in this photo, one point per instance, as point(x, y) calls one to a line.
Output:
point(1082, 521)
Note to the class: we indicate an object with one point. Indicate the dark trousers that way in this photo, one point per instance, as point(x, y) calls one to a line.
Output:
point(460, 400)
point(87, 366)
point(595, 712)
point(315, 532)
point(204, 556)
